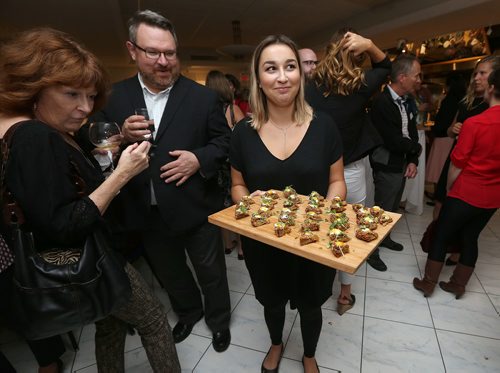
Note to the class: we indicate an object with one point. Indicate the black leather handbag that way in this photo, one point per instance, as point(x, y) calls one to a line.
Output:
point(51, 298)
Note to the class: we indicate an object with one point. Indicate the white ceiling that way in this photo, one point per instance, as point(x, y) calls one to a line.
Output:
point(204, 25)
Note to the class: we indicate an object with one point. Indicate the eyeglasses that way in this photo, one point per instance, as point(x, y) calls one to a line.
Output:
point(154, 54)
point(310, 62)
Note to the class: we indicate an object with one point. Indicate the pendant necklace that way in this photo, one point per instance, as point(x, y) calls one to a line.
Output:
point(282, 129)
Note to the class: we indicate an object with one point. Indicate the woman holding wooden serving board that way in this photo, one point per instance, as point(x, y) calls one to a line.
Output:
point(285, 143)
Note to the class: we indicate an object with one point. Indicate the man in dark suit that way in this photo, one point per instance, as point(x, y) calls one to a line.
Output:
point(397, 158)
point(168, 204)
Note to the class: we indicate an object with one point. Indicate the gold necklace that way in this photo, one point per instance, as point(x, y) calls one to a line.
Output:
point(284, 130)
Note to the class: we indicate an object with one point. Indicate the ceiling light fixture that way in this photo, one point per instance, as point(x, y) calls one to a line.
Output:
point(237, 50)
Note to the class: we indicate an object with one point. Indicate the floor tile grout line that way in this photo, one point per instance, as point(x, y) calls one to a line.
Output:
point(391, 280)
point(429, 307)
point(430, 311)
point(202, 355)
point(363, 321)
point(435, 332)
point(468, 334)
point(399, 322)
point(206, 350)
point(487, 294)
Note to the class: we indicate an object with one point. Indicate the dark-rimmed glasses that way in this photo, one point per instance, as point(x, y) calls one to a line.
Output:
point(154, 54)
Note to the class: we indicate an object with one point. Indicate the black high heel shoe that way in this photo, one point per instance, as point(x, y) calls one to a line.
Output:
point(274, 370)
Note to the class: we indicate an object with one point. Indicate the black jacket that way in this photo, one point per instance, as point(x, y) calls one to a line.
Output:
point(396, 151)
point(193, 120)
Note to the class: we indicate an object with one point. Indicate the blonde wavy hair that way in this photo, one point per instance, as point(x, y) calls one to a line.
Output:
point(470, 96)
point(303, 113)
point(339, 72)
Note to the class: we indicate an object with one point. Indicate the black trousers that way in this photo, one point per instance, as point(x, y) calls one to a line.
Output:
point(389, 188)
point(167, 256)
point(46, 350)
point(462, 221)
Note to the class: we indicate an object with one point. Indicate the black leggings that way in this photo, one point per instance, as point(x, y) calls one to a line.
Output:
point(462, 221)
point(311, 320)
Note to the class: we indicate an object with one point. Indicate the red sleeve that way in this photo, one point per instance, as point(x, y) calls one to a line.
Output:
point(461, 153)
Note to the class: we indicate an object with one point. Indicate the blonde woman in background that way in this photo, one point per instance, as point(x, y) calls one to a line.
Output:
point(472, 104)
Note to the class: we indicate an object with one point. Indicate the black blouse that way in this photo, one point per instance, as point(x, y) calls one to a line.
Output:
point(477, 107)
point(349, 112)
point(40, 176)
point(307, 168)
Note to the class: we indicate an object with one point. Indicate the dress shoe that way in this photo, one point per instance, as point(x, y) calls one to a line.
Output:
point(221, 340)
point(376, 263)
point(181, 331)
point(391, 245)
point(274, 370)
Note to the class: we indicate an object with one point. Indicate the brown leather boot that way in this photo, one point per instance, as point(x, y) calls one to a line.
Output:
point(427, 284)
point(458, 280)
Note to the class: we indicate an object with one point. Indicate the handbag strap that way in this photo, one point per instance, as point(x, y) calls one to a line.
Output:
point(12, 212)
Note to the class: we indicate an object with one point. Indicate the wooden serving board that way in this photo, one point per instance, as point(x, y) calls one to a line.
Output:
point(317, 251)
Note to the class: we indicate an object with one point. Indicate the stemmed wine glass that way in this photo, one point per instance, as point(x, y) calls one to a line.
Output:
point(106, 136)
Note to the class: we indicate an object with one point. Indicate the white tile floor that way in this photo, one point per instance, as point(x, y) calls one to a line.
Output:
point(392, 327)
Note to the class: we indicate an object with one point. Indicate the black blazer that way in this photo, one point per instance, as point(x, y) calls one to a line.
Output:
point(396, 151)
point(193, 120)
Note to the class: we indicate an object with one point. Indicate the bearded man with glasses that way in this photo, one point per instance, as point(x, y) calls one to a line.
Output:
point(309, 61)
point(167, 206)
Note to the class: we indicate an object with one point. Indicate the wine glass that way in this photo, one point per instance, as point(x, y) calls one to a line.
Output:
point(105, 136)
